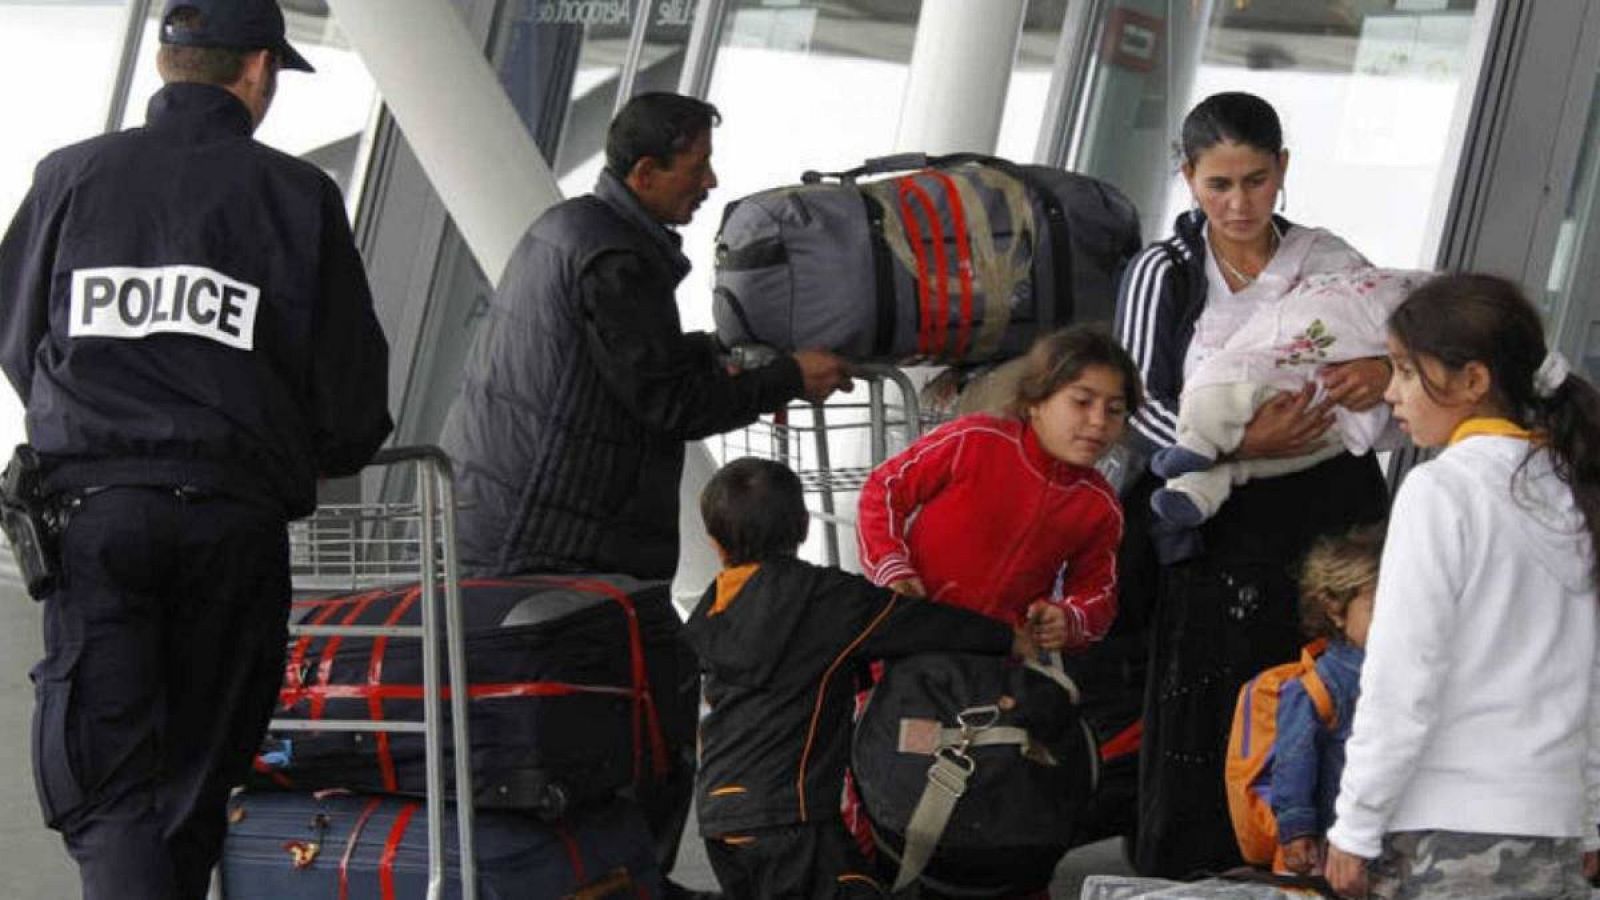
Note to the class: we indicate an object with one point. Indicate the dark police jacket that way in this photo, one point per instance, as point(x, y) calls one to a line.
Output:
point(780, 644)
point(181, 305)
point(579, 393)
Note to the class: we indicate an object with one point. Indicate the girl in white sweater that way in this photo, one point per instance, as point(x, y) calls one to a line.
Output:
point(1473, 767)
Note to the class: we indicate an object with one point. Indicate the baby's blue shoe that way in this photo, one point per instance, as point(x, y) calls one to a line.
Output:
point(1170, 462)
point(1177, 508)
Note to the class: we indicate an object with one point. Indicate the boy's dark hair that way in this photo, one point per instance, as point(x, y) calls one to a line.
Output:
point(1337, 569)
point(1458, 319)
point(658, 125)
point(1058, 358)
point(755, 509)
point(1233, 116)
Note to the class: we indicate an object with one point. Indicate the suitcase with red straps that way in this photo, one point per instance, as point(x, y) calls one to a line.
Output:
point(356, 847)
point(579, 686)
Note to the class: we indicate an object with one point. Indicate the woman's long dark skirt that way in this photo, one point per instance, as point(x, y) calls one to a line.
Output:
point(1218, 619)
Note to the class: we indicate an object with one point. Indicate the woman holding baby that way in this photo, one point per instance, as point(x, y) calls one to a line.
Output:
point(1222, 595)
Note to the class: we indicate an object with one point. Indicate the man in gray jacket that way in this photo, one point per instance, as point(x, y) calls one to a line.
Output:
point(582, 387)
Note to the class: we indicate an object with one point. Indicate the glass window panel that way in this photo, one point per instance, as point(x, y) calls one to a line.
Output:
point(1370, 94)
point(1030, 80)
point(561, 64)
point(320, 116)
point(1570, 300)
point(801, 84)
point(35, 40)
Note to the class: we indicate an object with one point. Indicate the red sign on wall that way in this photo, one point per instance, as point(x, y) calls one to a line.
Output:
point(1133, 39)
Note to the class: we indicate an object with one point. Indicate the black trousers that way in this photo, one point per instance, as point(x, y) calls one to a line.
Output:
point(164, 651)
point(813, 861)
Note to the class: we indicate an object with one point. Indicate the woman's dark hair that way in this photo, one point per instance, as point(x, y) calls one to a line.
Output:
point(1234, 116)
point(1337, 569)
point(1057, 359)
point(755, 509)
point(657, 125)
point(1458, 319)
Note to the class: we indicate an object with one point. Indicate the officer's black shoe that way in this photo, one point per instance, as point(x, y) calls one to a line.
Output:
point(671, 890)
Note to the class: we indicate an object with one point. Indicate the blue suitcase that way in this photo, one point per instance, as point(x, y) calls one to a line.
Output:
point(344, 846)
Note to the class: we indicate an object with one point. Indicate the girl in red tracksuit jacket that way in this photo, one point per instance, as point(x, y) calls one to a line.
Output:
point(987, 512)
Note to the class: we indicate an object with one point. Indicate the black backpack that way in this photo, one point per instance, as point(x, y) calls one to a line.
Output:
point(985, 762)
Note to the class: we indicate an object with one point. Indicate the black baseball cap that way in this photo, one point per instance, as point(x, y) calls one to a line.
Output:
point(233, 25)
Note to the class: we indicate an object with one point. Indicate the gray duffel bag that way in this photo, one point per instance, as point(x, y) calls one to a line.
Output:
point(965, 259)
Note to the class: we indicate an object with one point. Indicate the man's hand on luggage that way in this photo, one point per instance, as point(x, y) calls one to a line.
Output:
point(1303, 855)
point(1346, 872)
point(911, 587)
point(1048, 623)
point(824, 373)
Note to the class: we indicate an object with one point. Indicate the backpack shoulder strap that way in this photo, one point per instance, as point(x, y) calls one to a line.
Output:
point(1321, 698)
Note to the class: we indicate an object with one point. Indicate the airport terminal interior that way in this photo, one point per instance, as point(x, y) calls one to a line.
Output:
point(1430, 134)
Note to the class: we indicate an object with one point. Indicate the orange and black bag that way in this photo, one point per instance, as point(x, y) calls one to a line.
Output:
point(1248, 770)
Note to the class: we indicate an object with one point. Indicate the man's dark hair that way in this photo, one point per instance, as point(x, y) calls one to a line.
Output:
point(755, 509)
point(202, 65)
point(658, 125)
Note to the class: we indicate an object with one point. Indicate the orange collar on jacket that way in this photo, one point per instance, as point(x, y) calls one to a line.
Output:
point(730, 582)
point(1491, 426)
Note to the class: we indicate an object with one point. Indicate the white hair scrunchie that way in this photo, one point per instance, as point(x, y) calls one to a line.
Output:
point(1551, 375)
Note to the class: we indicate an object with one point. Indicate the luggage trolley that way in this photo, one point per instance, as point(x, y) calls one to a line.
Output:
point(352, 547)
point(839, 428)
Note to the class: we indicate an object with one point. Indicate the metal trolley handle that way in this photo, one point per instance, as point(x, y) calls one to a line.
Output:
point(436, 509)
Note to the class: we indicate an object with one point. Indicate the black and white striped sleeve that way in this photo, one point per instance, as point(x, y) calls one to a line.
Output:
point(1146, 324)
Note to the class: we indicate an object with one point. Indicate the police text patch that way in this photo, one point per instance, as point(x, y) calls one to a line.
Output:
point(125, 302)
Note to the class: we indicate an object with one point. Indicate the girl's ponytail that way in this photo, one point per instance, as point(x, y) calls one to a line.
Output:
point(1460, 318)
point(1569, 415)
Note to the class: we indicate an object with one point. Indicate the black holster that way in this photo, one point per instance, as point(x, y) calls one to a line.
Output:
point(26, 520)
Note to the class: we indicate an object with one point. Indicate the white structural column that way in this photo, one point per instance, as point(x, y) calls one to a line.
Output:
point(960, 69)
point(457, 118)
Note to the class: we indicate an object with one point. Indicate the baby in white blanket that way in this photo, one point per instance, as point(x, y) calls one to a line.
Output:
point(1328, 318)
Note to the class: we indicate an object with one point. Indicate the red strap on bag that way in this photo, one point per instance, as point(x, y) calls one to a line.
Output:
point(1123, 742)
point(375, 679)
point(646, 719)
point(644, 704)
point(574, 853)
point(958, 213)
point(293, 675)
point(350, 846)
point(914, 233)
point(278, 778)
point(397, 834)
point(937, 328)
point(331, 647)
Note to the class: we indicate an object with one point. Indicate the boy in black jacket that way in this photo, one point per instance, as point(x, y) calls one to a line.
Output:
point(779, 641)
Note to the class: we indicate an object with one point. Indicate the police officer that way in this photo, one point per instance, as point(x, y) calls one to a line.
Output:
point(185, 316)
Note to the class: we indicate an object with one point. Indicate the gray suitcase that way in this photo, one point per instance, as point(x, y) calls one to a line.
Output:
point(964, 260)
